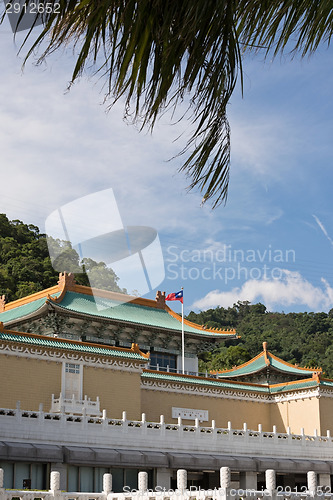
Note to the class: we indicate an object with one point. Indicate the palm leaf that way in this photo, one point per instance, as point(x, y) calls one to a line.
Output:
point(159, 53)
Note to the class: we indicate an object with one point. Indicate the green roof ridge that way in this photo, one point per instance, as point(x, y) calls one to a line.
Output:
point(232, 385)
point(204, 381)
point(258, 363)
point(62, 344)
point(128, 312)
point(24, 309)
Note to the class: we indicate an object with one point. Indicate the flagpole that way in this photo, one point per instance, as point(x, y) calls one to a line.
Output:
point(183, 337)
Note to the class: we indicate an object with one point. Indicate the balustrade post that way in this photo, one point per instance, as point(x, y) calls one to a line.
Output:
point(107, 484)
point(55, 481)
point(162, 425)
point(1, 480)
point(312, 482)
point(229, 431)
point(181, 480)
point(270, 476)
point(225, 479)
point(18, 409)
point(143, 481)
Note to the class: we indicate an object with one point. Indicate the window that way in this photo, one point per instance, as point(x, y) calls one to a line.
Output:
point(20, 473)
point(72, 368)
point(72, 381)
point(163, 360)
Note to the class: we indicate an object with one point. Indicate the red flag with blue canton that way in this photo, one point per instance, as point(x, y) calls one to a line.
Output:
point(175, 296)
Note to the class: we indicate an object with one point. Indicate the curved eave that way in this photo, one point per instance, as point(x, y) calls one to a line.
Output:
point(294, 385)
point(284, 366)
point(254, 365)
point(24, 312)
point(133, 354)
point(274, 389)
point(174, 327)
point(215, 333)
point(260, 362)
point(192, 379)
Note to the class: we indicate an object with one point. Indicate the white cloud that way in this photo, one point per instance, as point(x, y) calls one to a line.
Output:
point(291, 290)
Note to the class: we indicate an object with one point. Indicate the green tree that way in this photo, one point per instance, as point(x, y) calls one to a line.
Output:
point(159, 53)
point(302, 338)
point(26, 268)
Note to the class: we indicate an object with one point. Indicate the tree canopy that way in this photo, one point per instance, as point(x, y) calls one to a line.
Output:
point(157, 54)
point(25, 265)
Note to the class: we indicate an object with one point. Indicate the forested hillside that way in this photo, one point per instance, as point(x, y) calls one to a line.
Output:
point(302, 338)
point(25, 265)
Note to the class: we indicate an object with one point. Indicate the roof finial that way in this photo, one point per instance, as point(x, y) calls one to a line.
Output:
point(2, 303)
point(264, 345)
point(160, 299)
point(66, 280)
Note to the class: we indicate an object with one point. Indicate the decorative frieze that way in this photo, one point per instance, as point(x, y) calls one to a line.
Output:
point(42, 353)
point(187, 388)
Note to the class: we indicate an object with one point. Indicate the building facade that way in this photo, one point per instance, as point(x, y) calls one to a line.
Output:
point(92, 384)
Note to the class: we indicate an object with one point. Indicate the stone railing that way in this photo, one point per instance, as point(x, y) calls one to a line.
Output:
point(224, 492)
point(71, 429)
point(75, 406)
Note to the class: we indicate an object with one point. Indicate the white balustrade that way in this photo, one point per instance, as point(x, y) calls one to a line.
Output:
point(223, 492)
point(73, 405)
point(72, 429)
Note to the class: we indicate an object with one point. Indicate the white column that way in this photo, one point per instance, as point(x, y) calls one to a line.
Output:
point(312, 481)
point(1, 480)
point(107, 483)
point(225, 477)
point(181, 479)
point(62, 468)
point(143, 481)
point(270, 480)
point(163, 478)
point(55, 481)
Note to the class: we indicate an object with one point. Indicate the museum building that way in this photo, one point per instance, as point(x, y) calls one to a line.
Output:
point(91, 383)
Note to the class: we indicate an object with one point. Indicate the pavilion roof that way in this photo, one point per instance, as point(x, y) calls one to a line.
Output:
point(264, 360)
point(94, 303)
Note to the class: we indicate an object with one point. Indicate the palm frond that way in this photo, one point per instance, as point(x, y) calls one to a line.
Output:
point(159, 53)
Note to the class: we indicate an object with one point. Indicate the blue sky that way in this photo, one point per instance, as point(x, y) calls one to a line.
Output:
point(272, 242)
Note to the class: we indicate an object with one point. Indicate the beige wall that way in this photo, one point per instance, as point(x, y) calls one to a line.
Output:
point(118, 391)
point(296, 414)
point(32, 381)
point(326, 415)
point(156, 403)
point(29, 381)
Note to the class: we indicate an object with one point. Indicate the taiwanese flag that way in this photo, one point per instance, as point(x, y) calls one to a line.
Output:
point(175, 296)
